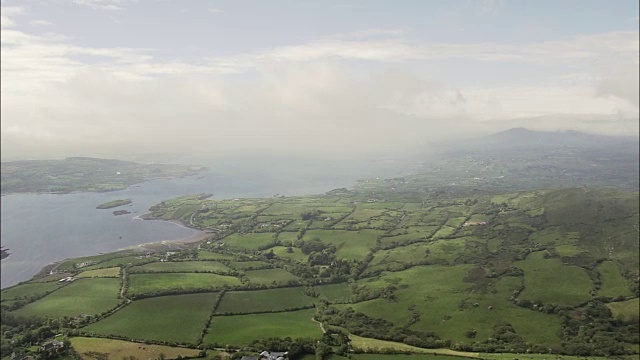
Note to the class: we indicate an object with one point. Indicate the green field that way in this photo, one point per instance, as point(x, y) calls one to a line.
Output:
point(149, 319)
point(182, 266)
point(106, 272)
point(626, 310)
point(350, 244)
point(182, 282)
point(27, 290)
point(270, 276)
point(238, 302)
point(613, 283)
point(243, 329)
point(295, 254)
point(88, 296)
point(334, 292)
point(249, 241)
point(550, 282)
point(447, 305)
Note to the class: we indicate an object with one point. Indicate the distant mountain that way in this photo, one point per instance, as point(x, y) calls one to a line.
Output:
point(525, 139)
point(520, 158)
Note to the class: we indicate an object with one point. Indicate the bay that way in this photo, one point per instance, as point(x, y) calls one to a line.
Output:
point(39, 229)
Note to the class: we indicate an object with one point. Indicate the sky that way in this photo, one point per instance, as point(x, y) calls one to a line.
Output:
point(113, 78)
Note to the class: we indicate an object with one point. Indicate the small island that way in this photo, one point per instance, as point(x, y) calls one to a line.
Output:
point(121, 212)
point(114, 203)
point(4, 252)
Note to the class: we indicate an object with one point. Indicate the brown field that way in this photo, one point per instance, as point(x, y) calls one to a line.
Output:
point(97, 348)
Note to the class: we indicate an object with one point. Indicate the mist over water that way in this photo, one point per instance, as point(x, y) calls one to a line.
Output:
point(39, 229)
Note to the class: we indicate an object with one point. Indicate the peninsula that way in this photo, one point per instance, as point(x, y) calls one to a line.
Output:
point(83, 174)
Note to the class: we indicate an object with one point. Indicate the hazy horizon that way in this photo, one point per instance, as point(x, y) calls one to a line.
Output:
point(360, 79)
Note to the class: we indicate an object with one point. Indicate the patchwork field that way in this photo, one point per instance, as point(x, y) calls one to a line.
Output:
point(182, 266)
point(239, 302)
point(88, 296)
point(270, 276)
point(243, 329)
point(150, 319)
point(180, 282)
point(490, 276)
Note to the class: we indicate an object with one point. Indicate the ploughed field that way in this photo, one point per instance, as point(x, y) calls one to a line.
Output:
point(526, 272)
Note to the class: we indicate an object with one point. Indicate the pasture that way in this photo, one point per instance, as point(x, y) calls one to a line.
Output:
point(88, 296)
point(240, 330)
point(182, 266)
point(550, 282)
point(106, 272)
point(447, 305)
point(181, 282)
point(270, 276)
point(239, 302)
point(626, 310)
point(613, 283)
point(176, 318)
point(350, 244)
point(26, 290)
point(334, 292)
point(253, 241)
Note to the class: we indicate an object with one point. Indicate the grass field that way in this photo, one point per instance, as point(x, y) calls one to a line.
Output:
point(182, 266)
point(243, 329)
point(149, 283)
point(238, 302)
point(296, 254)
point(447, 305)
point(23, 291)
point(121, 261)
point(106, 272)
point(550, 282)
point(350, 244)
point(99, 348)
point(245, 265)
point(176, 318)
point(270, 276)
point(334, 292)
point(89, 296)
point(253, 241)
point(613, 283)
point(626, 310)
point(208, 255)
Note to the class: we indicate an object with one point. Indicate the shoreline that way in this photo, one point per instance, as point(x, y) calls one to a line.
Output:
point(149, 246)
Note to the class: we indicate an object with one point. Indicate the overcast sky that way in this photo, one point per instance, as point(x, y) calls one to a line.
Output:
point(99, 77)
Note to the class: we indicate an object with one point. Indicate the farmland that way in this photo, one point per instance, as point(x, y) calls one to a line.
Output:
point(481, 275)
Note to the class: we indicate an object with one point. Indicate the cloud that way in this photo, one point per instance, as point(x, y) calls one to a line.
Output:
point(216, 11)
point(40, 23)
point(7, 14)
point(110, 5)
point(317, 97)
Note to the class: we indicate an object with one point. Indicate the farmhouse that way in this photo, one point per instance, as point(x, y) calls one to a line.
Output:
point(474, 223)
point(273, 356)
point(52, 345)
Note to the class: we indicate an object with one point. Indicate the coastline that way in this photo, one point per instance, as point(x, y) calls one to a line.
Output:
point(162, 245)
